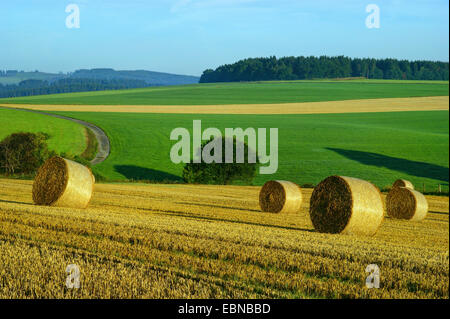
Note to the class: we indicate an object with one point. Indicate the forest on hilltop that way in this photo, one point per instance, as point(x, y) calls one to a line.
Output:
point(301, 68)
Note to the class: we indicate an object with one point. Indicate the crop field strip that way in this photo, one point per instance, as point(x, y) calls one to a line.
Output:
point(181, 241)
point(432, 103)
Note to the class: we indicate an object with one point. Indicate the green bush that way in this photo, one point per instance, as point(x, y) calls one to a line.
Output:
point(221, 173)
point(23, 153)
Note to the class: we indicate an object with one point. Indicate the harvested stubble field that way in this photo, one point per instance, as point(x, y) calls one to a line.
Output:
point(180, 241)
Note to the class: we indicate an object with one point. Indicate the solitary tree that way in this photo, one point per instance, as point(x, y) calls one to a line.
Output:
point(220, 173)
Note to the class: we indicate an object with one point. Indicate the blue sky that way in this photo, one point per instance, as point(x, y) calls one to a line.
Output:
point(189, 36)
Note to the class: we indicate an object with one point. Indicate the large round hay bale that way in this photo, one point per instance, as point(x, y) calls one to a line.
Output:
point(346, 205)
point(403, 183)
point(63, 183)
point(406, 203)
point(280, 197)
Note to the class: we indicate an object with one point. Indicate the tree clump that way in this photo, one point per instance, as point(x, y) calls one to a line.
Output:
point(23, 153)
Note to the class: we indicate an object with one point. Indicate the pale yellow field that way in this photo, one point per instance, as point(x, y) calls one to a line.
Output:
point(186, 241)
point(350, 106)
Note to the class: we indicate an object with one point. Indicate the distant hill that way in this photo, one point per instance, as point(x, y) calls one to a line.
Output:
point(19, 83)
point(149, 77)
point(11, 77)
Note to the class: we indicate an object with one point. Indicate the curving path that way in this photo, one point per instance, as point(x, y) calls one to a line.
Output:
point(104, 147)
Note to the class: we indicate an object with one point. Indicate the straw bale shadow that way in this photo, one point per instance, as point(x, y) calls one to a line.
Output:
point(14, 202)
point(138, 173)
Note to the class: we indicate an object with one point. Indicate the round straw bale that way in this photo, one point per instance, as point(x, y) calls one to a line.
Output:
point(280, 197)
point(63, 183)
point(346, 205)
point(406, 203)
point(403, 183)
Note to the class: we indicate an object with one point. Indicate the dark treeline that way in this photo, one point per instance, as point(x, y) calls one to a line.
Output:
point(299, 68)
point(39, 87)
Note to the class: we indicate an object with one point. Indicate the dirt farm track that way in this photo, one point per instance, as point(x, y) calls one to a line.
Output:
point(181, 241)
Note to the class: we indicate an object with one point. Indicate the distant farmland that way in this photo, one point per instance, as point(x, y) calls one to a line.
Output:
point(247, 93)
point(379, 147)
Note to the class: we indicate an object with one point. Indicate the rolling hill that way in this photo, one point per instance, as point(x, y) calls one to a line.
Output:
point(150, 77)
point(378, 146)
point(246, 93)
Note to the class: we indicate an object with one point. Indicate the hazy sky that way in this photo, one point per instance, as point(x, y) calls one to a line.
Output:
point(188, 36)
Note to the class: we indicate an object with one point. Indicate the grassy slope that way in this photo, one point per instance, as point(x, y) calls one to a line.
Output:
point(65, 136)
point(379, 147)
point(246, 93)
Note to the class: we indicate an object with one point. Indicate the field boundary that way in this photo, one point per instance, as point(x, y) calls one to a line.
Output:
point(91, 145)
point(104, 145)
point(432, 103)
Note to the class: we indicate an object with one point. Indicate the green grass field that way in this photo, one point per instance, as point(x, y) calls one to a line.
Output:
point(246, 93)
point(65, 136)
point(379, 147)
